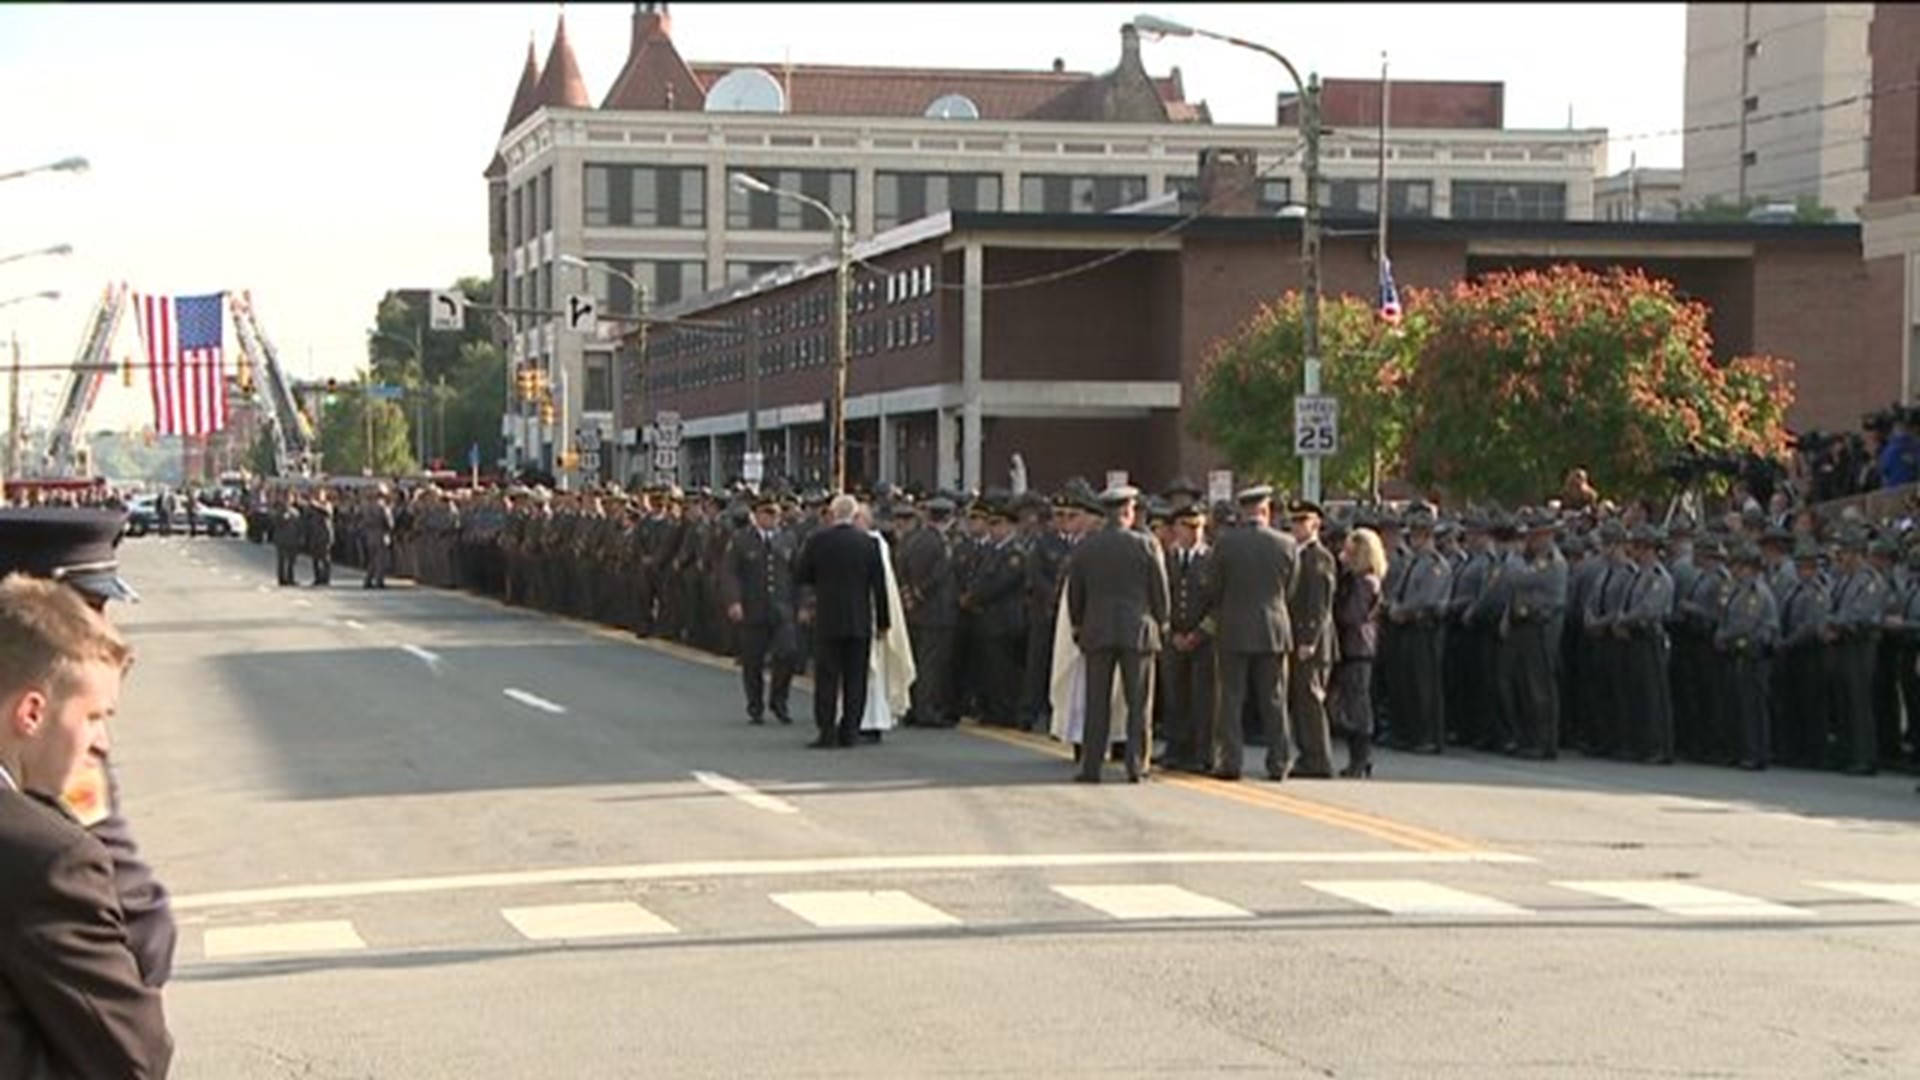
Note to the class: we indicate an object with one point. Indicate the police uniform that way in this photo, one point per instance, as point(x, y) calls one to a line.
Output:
point(757, 587)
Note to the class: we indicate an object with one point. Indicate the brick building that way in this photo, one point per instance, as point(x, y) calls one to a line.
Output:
point(1891, 217)
point(1074, 340)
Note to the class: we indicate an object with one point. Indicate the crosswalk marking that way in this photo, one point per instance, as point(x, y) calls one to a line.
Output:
point(855, 908)
point(1874, 890)
point(1151, 902)
point(1402, 897)
point(1688, 901)
point(336, 935)
point(578, 922)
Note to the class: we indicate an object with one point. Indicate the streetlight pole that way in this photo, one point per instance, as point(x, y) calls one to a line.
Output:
point(66, 164)
point(57, 249)
point(842, 301)
point(1309, 91)
point(12, 463)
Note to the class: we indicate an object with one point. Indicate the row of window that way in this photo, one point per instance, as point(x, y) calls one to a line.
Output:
point(687, 361)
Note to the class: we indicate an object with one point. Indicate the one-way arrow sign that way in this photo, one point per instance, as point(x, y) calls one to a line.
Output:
point(447, 310)
point(581, 315)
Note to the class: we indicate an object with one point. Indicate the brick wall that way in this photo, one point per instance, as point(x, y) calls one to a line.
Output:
point(1094, 325)
point(1894, 148)
point(1411, 104)
point(1057, 449)
point(1809, 307)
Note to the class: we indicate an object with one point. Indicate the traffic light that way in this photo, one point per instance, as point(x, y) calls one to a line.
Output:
point(243, 375)
point(546, 411)
point(126, 371)
point(569, 459)
point(523, 382)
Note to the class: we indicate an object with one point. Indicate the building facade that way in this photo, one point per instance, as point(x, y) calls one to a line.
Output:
point(1890, 221)
point(642, 185)
point(1639, 194)
point(1776, 103)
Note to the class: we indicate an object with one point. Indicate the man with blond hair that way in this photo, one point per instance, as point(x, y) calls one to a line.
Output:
point(72, 1002)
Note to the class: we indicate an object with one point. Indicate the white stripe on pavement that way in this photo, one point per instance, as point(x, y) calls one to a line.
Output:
point(579, 922)
point(533, 701)
point(850, 909)
point(295, 937)
point(1407, 897)
point(727, 785)
point(354, 624)
point(1689, 901)
point(1893, 894)
point(1130, 902)
point(426, 655)
point(852, 864)
point(302, 602)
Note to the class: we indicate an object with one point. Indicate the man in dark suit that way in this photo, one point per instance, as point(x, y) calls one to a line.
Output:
point(843, 565)
point(376, 539)
point(1252, 576)
point(931, 601)
point(757, 587)
point(1310, 610)
point(1117, 602)
point(1186, 661)
point(72, 1001)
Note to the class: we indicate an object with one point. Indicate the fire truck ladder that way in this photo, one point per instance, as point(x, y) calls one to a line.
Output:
point(66, 452)
point(293, 439)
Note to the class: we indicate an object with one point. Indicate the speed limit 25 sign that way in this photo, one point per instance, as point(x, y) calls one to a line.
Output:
point(1316, 425)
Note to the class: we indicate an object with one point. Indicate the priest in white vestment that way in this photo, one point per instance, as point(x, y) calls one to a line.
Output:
point(890, 671)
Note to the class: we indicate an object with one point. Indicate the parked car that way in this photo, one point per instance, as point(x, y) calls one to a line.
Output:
point(143, 517)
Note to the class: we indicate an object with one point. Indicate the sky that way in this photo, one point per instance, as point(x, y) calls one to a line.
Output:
point(320, 155)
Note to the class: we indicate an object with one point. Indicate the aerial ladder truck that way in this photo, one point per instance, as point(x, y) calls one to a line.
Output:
point(295, 450)
point(67, 452)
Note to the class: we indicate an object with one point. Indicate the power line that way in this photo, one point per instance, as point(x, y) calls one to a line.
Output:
point(1779, 114)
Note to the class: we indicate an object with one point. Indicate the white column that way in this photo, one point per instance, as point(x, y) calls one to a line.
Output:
point(889, 466)
point(946, 437)
point(972, 361)
point(715, 477)
point(786, 436)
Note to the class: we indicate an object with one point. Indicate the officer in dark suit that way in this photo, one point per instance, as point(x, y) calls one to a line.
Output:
point(72, 999)
point(995, 599)
point(931, 602)
point(1250, 579)
point(1117, 602)
point(843, 565)
point(1310, 610)
point(376, 537)
point(1186, 658)
point(319, 536)
point(757, 587)
point(289, 537)
point(1416, 606)
point(1046, 561)
point(77, 547)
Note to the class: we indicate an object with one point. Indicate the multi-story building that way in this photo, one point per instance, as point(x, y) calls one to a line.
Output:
point(1890, 220)
point(1639, 194)
point(642, 184)
point(1776, 103)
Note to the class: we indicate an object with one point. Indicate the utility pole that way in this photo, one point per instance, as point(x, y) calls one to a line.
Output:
point(366, 412)
point(643, 304)
point(843, 298)
point(1310, 257)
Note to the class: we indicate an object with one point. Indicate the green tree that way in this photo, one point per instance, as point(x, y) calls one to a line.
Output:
point(476, 398)
point(1525, 375)
point(1807, 210)
point(402, 314)
point(458, 387)
point(344, 436)
point(1244, 399)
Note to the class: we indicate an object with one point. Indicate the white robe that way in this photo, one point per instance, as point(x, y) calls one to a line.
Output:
point(1068, 687)
point(890, 671)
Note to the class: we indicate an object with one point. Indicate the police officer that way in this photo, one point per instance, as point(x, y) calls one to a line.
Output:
point(1186, 658)
point(1641, 627)
point(1415, 608)
point(1746, 636)
point(931, 602)
point(1315, 643)
point(376, 538)
point(757, 588)
point(1853, 632)
point(1803, 710)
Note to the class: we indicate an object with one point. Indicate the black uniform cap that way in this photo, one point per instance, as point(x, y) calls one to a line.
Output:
point(74, 546)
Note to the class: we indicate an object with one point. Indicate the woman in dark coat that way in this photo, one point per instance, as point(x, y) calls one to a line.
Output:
point(1356, 617)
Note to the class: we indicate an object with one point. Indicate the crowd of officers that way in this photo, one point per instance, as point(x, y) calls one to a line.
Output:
point(1746, 641)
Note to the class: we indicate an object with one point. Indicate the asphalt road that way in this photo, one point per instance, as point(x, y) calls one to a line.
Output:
point(416, 834)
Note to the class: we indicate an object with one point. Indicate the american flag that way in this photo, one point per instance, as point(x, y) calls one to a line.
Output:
point(182, 336)
point(1389, 296)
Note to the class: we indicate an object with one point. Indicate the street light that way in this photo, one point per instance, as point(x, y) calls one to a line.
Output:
point(65, 164)
point(640, 344)
point(1309, 90)
point(57, 249)
point(44, 294)
point(843, 256)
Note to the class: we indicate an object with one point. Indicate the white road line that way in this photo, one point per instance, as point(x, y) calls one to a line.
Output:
point(428, 656)
point(1689, 901)
point(354, 624)
point(1893, 894)
point(852, 864)
point(851, 909)
point(580, 922)
point(261, 588)
point(296, 937)
point(1415, 898)
point(533, 701)
point(302, 601)
point(727, 785)
point(1132, 902)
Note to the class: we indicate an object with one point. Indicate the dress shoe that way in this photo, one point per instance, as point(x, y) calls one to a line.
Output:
point(1083, 778)
point(1225, 774)
point(1279, 776)
point(824, 742)
point(1358, 772)
point(783, 716)
point(848, 740)
point(1135, 776)
point(1425, 748)
point(756, 721)
point(1531, 753)
point(1752, 766)
point(1311, 774)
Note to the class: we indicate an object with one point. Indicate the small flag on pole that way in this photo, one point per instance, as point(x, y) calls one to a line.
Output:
point(1389, 296)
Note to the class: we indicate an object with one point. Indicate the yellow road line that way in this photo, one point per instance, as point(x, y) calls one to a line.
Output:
point(1403, 835)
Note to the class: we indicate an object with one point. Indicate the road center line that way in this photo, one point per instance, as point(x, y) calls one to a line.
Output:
point(426, 655)
point(853, 864)
point(354, 624)
point(533, 701)
point(727, 785)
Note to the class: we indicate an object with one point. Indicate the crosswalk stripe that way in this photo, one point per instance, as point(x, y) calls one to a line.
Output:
point(1891, 893)
point(336, 935)
point(1406, 897)
point(1131, 902)
point(576, 922)
point(856, 908)
point(1689, 901)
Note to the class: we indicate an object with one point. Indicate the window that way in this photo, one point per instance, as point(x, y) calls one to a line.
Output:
point(1275, 193)
point(1519, 201)
point(545, 189)
point(1751, 104)
point(1749, 158)
point(754, 210)
point(1753, 47)
point(744, 271)
point(598, 396)
point(908, 196)
point(1411, 198)
point(646, 196)
point(1055, 194)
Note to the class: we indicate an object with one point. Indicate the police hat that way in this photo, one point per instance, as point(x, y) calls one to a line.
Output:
point(940, 506)
point(1305, 508)
point(1119, 495)
point(1159, 510)
point(74, 546)
point(1254, 495)
point(766, 500)
point(1806, 550)
point(903, 507)
point(1183, 486)
point(1191, 514)
point(1746, 553)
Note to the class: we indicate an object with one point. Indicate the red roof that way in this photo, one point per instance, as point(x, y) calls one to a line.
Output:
point(830, 90)
point(655, 77)
point(560, 82)
point(525, 100)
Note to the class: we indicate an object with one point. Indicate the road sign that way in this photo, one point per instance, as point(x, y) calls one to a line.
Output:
point(582, 316)
point(1116, 478)
point(1220, 486)
point(753, 467)
point(386, 392)
point(666, 429)
point(1316, 425)
point(666, 461)
point(446, 310)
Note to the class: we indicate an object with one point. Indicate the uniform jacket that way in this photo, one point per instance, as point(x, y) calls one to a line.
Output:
point(1752, 620)
point(1648, 603)
point(925, 574)
point(1420, 597)
point(72, 1003)
point(1117, 592)
point(1186, 590)
point(995, 596)
point(759, 577)
point(1803, 613)
point(1250, 579)
point(843, 565)
point(1310, 604)
point(1859, 603)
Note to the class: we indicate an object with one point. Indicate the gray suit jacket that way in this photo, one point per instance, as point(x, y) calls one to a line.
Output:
point(1252, 577)
point(1117, 592)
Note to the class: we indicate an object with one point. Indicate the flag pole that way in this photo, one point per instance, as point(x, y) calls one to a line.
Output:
point(1385, 91)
